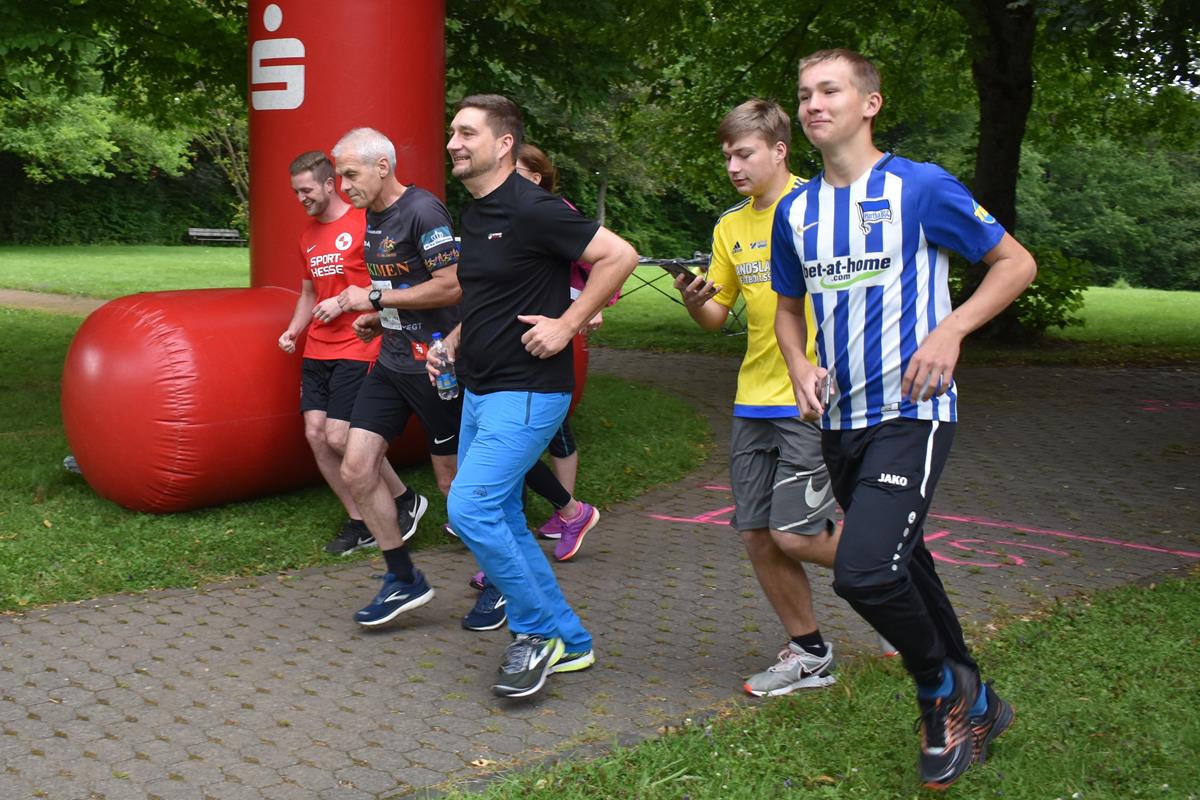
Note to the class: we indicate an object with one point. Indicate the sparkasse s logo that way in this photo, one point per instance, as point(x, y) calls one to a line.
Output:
point(286, 80)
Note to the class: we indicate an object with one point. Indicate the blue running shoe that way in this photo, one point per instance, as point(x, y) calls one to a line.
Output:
point(394, 599)
point(948, 741)
point(489, 612)
point(992, 723)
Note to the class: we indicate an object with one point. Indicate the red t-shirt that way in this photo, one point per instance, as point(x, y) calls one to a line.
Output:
point(332, 254)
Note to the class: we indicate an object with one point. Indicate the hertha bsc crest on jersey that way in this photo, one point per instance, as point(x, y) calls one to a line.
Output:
point(873, 210)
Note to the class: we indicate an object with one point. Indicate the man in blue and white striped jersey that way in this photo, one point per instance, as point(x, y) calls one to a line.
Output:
point(867, 240)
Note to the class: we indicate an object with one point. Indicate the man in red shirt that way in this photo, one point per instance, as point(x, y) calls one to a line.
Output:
point(335, 359)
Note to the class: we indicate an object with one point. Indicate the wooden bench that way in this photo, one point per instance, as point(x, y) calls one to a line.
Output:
point(221, 235)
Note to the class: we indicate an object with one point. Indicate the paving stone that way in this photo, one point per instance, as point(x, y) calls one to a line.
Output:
point(343, 792)
point(312, 778)
point(231, 791)
point(170, 789)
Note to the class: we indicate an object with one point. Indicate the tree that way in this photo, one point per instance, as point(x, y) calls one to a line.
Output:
point(97, 87)
point(1153, 43)
point(59, 134)
point(151, 55)
point(626, 96)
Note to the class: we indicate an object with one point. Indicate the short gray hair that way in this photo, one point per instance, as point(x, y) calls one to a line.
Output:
point(369, 145)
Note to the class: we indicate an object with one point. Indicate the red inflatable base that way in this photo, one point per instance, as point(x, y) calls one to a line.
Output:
point(176, 400)
point(179, 400)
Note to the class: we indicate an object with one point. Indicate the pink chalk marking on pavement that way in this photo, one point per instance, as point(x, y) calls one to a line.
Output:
point(710, 518)
point(965, 544)
point(1077, 537)
point(1159, 406)
point(715, 518)
point(962, 562)
point(1028, 546)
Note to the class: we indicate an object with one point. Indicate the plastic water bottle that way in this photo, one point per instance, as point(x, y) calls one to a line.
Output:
point(447, 381)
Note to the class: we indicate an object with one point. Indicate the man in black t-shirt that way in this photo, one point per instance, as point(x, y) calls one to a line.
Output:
point(514, 359)
point(412, 260)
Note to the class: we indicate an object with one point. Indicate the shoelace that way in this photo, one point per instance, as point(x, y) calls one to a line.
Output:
point(940, 731)
point(932, 725)
point(521, 653)
point(787, 658)
point(489, 599)
point(784, 660)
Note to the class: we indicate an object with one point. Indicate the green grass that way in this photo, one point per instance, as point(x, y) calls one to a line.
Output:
point(1105, 693)
point(1148, 318)
point(1121, 326)
point(59, 541)
point(645, 319)
point(108, 271)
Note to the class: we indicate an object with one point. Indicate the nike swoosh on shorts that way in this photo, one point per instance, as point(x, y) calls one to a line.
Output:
point(814, 499)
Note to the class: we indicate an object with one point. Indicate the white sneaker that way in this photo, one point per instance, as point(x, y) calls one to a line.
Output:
point(796, 668)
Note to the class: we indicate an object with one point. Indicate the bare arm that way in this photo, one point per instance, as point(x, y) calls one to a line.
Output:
point(439, 291)
point(931, 370)
point(791, 331)
point(698, 295)
point(612, 259)
point(367, 326)
point(301, 316)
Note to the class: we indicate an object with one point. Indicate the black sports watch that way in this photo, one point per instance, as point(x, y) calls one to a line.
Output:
point(375, 295)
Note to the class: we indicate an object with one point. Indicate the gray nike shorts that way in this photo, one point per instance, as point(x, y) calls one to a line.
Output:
point(778, 476)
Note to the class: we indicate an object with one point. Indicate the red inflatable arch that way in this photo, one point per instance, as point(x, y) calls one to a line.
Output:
point(178, 400)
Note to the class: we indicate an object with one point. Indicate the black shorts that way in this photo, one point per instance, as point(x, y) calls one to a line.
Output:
point(331, 386)
point(388, 398)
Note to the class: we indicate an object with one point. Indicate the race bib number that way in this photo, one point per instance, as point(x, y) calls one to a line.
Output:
point(388, 317)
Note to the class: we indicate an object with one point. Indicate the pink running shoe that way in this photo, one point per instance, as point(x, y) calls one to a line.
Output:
point(477, 580)
point(574, 530)
point(553, 528)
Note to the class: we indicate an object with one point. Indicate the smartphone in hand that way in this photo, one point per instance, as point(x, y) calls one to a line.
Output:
point(676, 269)
point(825, 390)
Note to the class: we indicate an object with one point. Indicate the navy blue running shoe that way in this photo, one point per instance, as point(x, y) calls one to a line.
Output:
point(394, 599)
point(489, 612)
point(947, 739)
point(991, 723)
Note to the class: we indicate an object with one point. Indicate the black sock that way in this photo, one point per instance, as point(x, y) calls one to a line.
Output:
point(406, 496)
point(812, 642)
point(399, 563)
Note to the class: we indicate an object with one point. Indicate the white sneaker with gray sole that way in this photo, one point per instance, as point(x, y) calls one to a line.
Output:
point(796, 668)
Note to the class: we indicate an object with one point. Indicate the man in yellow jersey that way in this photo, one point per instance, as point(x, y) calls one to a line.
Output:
point(783, 505)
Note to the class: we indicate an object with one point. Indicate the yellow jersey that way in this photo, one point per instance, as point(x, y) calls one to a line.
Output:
point(741, 264)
